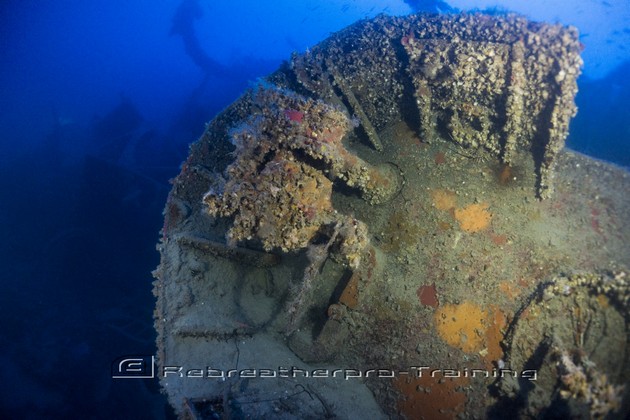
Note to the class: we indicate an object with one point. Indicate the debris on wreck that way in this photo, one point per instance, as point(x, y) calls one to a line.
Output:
point(277, 188)
point(582, 365)
point(583, 383)
point(500, 83)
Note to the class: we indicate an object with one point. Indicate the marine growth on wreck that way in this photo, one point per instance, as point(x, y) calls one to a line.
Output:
point(399, 196)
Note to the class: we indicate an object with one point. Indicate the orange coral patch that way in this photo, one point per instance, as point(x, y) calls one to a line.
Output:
point(461, 326)
point(471, 329)
point(473, 218)
point(428, 397)
point(443, 199)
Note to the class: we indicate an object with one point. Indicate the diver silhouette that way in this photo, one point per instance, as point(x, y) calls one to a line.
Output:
point(183, 25)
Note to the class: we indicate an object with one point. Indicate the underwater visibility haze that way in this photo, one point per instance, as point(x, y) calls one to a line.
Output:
point(401, 209)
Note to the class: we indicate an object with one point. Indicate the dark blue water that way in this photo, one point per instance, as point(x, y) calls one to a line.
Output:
point(99, 101)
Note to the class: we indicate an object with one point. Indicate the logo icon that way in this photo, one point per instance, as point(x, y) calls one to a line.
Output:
point(135, 367)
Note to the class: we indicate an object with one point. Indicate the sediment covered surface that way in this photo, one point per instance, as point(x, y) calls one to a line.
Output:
point(457, 263)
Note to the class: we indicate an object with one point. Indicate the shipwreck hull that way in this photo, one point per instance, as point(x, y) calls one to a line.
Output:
point(416, 248)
